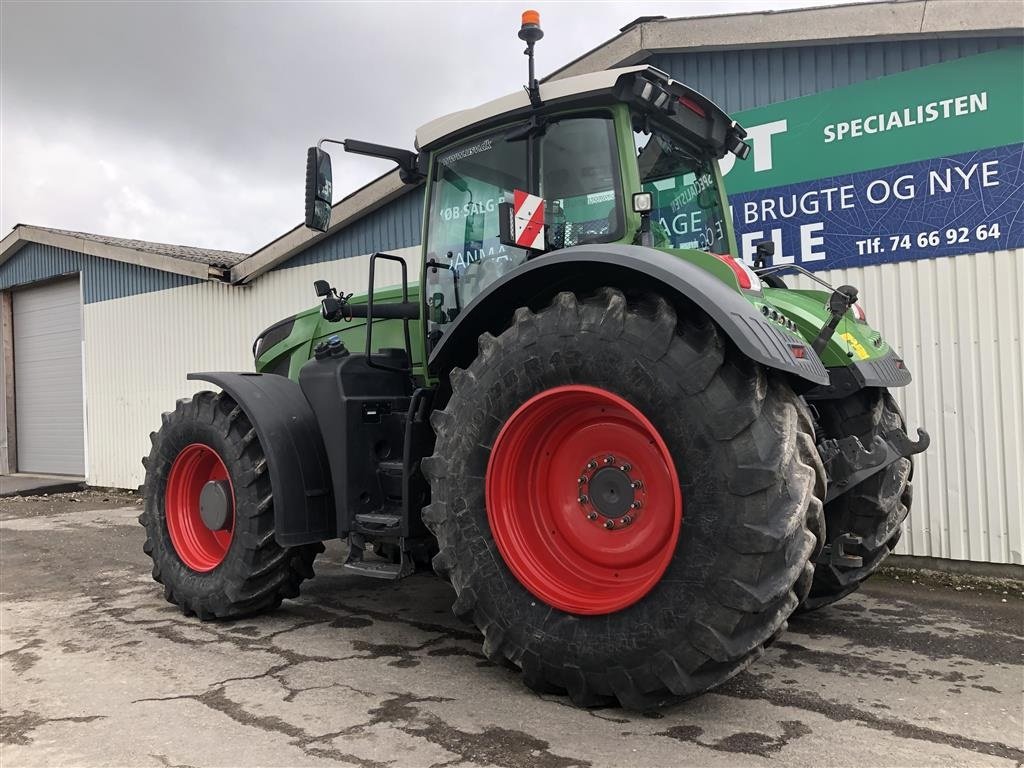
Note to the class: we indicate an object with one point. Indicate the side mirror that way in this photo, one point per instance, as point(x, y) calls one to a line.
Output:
point(318, 189)
point(322, 288)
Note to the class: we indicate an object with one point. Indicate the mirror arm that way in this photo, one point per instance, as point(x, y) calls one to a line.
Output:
point(410, 164)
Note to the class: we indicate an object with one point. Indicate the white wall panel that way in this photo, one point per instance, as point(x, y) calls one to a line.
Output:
point(958, 322)
point(138, 350)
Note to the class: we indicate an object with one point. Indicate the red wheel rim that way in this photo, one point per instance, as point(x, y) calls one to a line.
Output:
point(200, 548)
point(575, 552)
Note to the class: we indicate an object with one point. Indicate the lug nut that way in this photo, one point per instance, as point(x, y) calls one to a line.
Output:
point(626, 520)
point(609, 460)
point(592, 465)
point(583, 499)
point(582, 481)
point(636, 485)
point(609, 524)
point(635, 505)
point(592, 516)
point(626, 467)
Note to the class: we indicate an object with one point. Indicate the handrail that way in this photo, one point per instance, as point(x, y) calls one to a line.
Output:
point(369, 314)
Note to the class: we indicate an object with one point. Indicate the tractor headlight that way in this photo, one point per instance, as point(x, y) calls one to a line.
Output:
point(275, 334)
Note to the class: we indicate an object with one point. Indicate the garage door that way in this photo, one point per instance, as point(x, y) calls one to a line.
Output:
point(48, 379)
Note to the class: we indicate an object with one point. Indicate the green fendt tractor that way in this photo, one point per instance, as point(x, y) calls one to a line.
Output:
point(633, 455)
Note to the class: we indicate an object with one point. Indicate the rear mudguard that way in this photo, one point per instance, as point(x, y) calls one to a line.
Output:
point(856, 355)
point(588, 267)
point(887, 371)
point(287, 429)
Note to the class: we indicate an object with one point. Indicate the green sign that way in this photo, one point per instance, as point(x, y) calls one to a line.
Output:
point(917, 165)
point(944, 109)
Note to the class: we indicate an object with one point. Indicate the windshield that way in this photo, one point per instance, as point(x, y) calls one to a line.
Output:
point(687, 209)
point(576, 171)
point(469, 182)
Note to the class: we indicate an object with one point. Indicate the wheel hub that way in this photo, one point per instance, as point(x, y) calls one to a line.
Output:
point(592, 532)
point(215, 505)
point(610, 492)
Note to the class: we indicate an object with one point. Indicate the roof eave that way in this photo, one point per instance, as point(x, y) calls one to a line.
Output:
point(22, 234)
point(856, 22)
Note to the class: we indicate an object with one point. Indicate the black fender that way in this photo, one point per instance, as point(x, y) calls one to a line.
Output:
point(587, 267)
point(287, 429)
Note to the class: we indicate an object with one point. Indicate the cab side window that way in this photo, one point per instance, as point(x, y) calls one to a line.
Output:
point(579, 180)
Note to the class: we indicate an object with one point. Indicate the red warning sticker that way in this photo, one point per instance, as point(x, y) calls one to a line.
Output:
point(528, 216)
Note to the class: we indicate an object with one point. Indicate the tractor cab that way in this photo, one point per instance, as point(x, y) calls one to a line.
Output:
point(626, 156)
point(600, 164)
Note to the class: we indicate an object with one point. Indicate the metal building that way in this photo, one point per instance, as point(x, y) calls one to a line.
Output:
point(955, 314)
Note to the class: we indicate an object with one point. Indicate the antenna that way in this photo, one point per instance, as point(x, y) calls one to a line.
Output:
point(531, 32)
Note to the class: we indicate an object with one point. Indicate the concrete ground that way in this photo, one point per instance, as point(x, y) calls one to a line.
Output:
point(98, 670)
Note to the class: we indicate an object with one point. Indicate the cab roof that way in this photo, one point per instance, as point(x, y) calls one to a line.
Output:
point(459, 124)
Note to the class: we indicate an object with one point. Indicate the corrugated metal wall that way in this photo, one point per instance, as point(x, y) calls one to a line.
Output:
point(958, 323)
point(163, 335)
point(743, 79)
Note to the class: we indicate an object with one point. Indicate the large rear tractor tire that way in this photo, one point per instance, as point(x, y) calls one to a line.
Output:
point(624, 504)
point(209, 515)
point(873, 510)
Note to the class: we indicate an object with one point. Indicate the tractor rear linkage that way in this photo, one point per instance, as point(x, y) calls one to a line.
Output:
point(848, 463)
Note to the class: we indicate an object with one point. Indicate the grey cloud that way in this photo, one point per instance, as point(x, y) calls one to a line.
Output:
point(188, 122)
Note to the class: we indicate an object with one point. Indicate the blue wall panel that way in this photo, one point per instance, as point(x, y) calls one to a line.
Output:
point(395, 225)
point(102, 279)
point(744, 79)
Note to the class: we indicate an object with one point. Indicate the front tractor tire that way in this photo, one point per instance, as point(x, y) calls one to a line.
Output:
point(626, 506)
point(872, 511)
point(209, 517)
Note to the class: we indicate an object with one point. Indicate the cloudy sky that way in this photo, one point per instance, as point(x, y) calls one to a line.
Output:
point(188, 122)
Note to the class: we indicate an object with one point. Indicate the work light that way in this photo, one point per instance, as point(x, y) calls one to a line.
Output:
point(642, 202)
